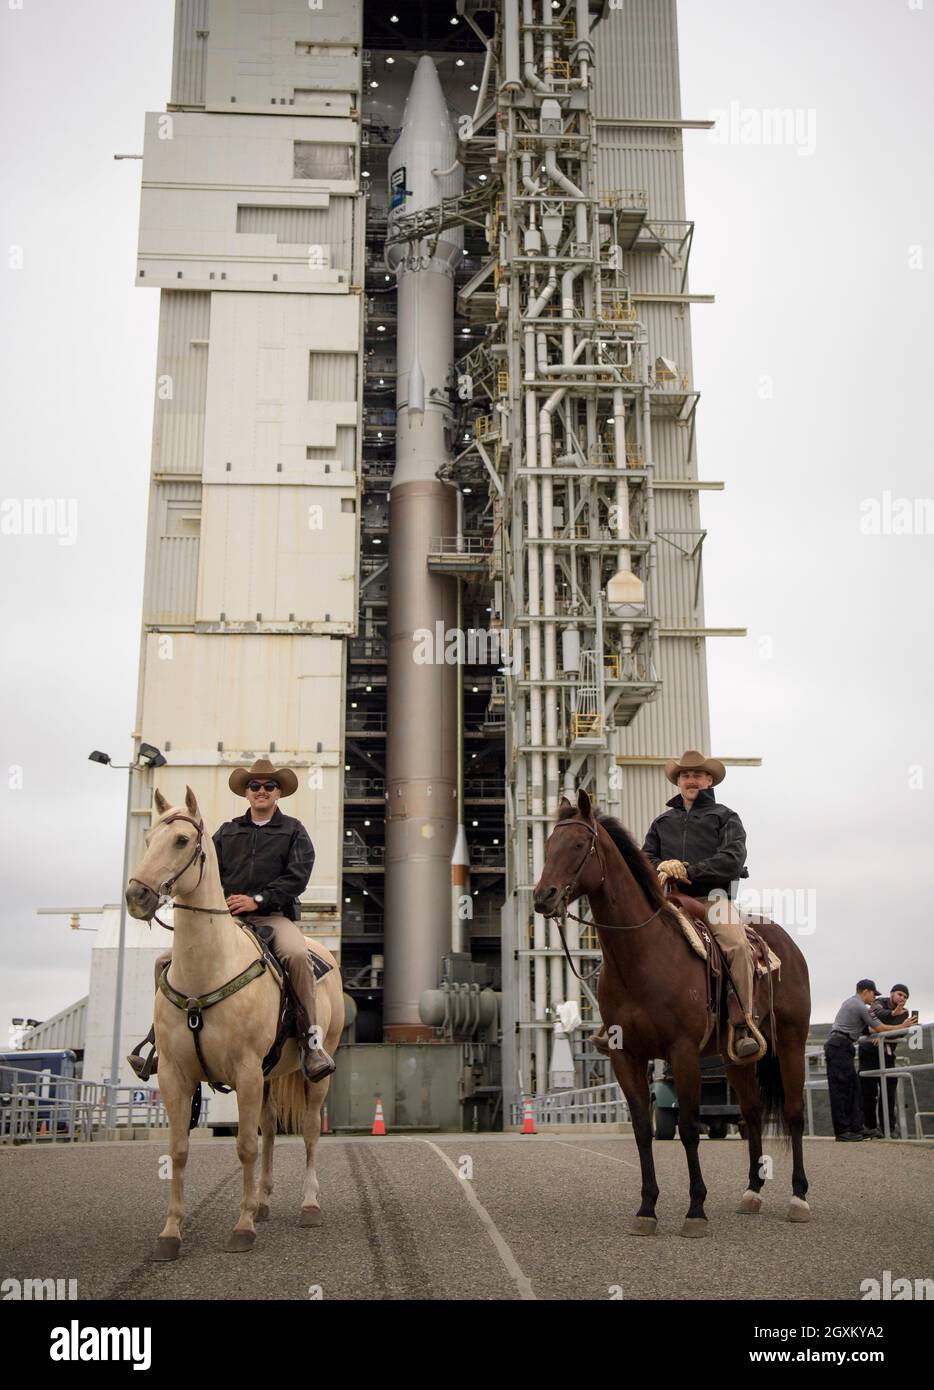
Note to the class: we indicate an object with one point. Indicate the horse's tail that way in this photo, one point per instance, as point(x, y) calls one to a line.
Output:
point(288, 1097)
point(769, 1077)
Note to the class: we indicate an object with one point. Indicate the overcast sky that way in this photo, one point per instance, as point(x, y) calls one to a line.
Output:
point(814, 372)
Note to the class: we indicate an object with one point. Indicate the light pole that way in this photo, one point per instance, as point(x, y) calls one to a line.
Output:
point(148, 757)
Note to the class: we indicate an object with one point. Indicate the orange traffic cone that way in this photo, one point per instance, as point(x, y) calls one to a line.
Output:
point(528, 1119)
point(325, 1127)
point(379, 1124)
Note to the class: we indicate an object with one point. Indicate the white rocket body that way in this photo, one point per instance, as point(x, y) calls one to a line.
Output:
point(421, 745)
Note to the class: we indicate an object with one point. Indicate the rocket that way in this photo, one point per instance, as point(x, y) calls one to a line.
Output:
point(421, 744)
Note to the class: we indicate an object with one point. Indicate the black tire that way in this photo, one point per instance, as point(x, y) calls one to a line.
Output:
point(666, 1122)
point(718, 1129)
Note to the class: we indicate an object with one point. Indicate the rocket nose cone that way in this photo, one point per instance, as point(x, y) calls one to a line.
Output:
point(426, 95)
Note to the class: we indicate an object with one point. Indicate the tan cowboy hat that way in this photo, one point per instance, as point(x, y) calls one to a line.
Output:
point(264, 771)
point(692, 761)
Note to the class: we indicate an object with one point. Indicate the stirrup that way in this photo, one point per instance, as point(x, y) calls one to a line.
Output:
point(145, 1067)
point(754, 1036)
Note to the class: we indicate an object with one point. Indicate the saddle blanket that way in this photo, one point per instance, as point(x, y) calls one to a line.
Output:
point(694, 939)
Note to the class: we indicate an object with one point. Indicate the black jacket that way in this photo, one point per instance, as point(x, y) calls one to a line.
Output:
point(709, 839)
point(274, 859)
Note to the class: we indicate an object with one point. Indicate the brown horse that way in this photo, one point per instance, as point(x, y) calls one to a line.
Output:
point(653, 988)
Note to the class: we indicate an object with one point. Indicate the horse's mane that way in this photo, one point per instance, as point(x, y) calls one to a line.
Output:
point(635, 861)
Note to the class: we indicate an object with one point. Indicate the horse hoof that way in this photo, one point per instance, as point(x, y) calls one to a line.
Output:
point(311, 1216)
point(262, 1212)
point(695, 1226)
point(750, 1203)
point(798, 1210)
point(642, 1226)
point(240, 1240)
point(167, 1248)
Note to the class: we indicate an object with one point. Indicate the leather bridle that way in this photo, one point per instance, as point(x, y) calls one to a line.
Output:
point(568, 893)
point(571, 891)
point(165, 890)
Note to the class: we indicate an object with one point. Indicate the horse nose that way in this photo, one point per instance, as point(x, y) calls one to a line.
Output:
point(139, 900)
point(544, 899)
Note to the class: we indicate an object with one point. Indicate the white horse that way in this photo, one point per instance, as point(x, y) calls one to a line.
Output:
point(202, 1037)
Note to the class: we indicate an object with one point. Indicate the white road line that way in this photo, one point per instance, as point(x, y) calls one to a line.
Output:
point(570, 1144)
point(520, 1280)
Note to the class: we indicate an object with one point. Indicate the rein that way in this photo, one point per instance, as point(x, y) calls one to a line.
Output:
point(194, 1005)
point(164, 891)
point(568, 895)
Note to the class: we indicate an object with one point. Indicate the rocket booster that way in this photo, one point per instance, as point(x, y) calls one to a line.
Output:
point(421, 745)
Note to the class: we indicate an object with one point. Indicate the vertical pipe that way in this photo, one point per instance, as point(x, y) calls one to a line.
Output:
point(512, 80)
point(121, 955)
point(622, 487)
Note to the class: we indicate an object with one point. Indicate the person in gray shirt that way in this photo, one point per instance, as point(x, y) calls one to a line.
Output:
point(854, 1017)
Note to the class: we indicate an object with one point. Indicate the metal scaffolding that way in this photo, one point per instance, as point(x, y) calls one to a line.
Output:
point(565, 385)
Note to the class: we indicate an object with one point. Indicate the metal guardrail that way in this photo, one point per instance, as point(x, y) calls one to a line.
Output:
point(463, 545)
point(39, 1107)
point(363, 720)
point(484, 787)
point(594, 1105)
point(606, 1104)
point(364, 786)
point(903, 1071)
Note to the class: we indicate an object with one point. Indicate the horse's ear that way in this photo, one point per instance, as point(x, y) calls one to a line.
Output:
point(159, 802)
point(191, 802)
point(565, 802)
point(583, 804)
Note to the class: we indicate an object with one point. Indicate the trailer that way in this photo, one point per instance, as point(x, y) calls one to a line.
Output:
point(719, 1107)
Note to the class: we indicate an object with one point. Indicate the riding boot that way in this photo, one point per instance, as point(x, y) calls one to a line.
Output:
point(316, 1063)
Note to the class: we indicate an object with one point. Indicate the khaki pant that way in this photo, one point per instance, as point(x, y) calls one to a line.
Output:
point(289, 946)
point(726, 925)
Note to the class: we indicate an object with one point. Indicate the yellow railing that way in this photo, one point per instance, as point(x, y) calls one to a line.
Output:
point(583, 725)
point(502, 383)
point(485, 427)
point(620, 311)
point(629, 198)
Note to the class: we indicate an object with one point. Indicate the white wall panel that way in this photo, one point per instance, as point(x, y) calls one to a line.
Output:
point(264, 53)
point(259, 414)
point(278, 555)
point(246, 692)
point(199, 169)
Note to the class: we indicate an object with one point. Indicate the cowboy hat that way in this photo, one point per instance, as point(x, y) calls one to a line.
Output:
point(692, 761)
point(263, 771)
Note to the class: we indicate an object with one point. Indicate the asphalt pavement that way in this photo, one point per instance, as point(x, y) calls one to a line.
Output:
point(456, 1217)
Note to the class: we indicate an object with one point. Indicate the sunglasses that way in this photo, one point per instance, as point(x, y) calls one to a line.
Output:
point(263, 786)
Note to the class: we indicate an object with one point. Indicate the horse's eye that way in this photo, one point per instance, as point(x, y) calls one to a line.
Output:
point(180, 840)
